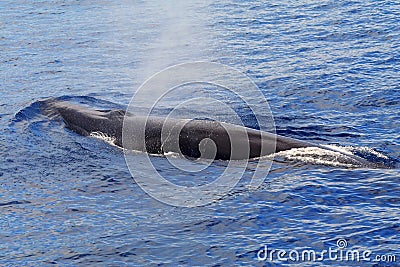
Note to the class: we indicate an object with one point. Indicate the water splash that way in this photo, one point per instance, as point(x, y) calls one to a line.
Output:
point(104, 137)
point(338, 156)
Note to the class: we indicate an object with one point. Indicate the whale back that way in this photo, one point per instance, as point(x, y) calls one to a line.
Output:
point(158, 135)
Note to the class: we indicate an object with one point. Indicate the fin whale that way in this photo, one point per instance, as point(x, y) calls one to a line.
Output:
point(225, 137)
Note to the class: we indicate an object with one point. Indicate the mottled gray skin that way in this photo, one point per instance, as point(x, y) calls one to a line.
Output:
point(231, 141)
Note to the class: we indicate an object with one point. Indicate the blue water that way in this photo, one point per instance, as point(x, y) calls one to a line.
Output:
point(329, 69)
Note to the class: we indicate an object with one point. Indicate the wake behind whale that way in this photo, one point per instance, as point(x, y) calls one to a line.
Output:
point(197, 138)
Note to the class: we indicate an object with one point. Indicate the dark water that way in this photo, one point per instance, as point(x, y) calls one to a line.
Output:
point(329, 69)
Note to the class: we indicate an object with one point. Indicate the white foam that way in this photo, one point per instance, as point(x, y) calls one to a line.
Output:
point(315, 155)
point(104, 137)
point(172, 154)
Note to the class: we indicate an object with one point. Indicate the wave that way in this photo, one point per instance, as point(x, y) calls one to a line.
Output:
point(339, 156)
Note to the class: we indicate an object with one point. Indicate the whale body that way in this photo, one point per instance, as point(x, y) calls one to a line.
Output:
point(194, 138)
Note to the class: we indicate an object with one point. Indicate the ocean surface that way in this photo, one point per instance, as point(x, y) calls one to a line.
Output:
point(330, 71)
